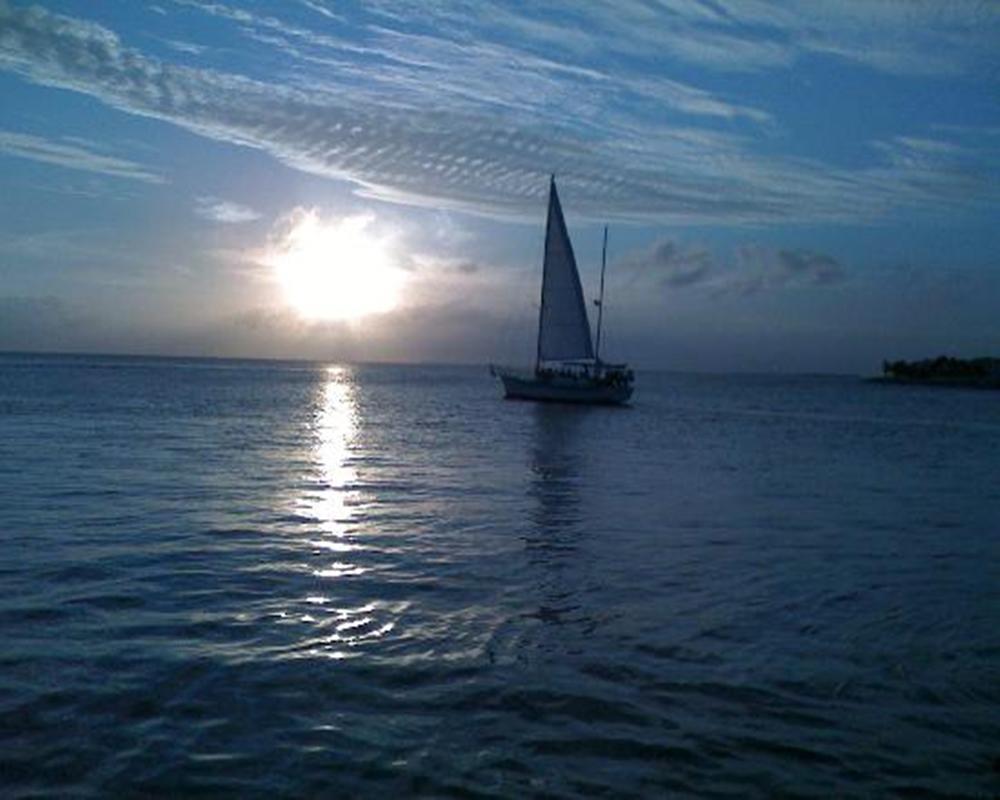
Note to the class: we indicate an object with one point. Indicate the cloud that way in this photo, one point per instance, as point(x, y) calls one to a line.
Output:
point(73, 154)
point(815, 267)
point(225, 211)
point(945, 172)
point(899, 38)
point(908, 38)
point(320, 8)
point(454, 121)
point(916, 152)
point(757, 269)
point(189, 48)
point(749, 269)
point(673, 265)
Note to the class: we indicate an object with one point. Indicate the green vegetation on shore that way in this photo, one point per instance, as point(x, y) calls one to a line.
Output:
point(945, 370)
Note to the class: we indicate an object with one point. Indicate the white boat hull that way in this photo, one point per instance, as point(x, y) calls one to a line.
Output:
point(563, 388)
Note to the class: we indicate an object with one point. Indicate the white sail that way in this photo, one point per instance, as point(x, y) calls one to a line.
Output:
point(563, 328)
point(564, 334)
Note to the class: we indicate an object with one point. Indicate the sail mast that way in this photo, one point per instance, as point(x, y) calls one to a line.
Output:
point(600, 302)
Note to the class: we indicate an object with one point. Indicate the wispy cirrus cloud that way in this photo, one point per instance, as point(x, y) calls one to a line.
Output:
point(915, 38)
point(947, 172)
point(188, 48)
point(74, 154)
point(478, 124)
point(470, 72)
point(321, 8)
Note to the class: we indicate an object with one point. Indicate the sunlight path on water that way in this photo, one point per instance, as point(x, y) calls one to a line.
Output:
point(334, 428)
point(331, 503)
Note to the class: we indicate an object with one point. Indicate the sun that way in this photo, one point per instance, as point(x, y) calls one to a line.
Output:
point(335, 270)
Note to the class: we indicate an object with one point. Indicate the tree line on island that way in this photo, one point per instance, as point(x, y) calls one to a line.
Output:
point(945, 370)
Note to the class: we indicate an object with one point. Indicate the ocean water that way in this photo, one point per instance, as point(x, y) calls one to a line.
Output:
point(258, 579)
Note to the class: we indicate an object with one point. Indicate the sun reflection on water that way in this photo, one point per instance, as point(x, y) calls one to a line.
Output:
point(335, 428)
point(338, 620)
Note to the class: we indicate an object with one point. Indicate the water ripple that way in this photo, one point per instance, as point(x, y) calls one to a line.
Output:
point(241, 579)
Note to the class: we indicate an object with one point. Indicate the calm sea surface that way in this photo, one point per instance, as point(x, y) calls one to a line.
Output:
point(283, 579)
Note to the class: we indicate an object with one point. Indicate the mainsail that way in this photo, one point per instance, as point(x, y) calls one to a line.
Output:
point(563, 328)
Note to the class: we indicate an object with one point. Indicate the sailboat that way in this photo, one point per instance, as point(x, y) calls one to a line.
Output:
point(568, 367)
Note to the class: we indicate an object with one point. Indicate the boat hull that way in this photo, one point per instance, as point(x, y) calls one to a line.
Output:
point(558, 389)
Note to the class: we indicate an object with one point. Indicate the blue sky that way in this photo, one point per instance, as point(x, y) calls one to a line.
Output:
point(789, 186)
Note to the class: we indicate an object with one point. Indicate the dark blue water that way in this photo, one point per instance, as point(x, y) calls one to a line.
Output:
point(264, 579)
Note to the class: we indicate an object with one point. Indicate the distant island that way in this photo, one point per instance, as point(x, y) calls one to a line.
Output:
point(944, 371)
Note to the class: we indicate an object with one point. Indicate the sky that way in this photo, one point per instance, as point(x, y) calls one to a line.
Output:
point(788, 186)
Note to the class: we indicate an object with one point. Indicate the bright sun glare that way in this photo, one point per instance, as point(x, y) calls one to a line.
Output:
point(335, 270)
